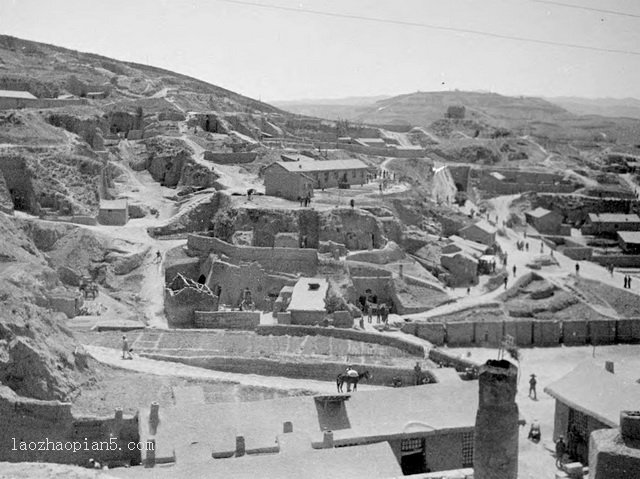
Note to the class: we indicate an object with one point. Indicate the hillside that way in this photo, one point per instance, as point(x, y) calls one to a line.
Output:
point(610, 107)
point(48, 71)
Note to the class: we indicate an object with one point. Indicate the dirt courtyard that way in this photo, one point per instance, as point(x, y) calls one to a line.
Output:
point(549, 364)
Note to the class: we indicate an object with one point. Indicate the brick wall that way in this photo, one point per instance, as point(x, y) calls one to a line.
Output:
point(32, 420)
point(286, 260)
point(230, 158)
point(246, 320)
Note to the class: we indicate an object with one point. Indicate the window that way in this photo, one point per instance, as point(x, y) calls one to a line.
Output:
point(413, 444)
point(467, 449)
point(335, 174)
point(353, 174)
point(326, 176)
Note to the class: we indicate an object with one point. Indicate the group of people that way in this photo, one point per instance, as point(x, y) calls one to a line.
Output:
point(627, 281)
point(305, 200)
point(382, 312)
point(522, 245)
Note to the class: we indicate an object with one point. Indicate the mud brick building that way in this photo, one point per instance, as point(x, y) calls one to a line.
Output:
point(588, 399)
point(114, 213)
point(544, 221)
point(480, 232)
point(432, 431)
point(295, 179)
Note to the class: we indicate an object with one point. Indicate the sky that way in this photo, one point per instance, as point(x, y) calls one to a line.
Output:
point(278, 50)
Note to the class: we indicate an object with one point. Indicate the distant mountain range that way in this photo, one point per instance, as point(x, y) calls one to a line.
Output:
point(610, 107)
point(370, 108)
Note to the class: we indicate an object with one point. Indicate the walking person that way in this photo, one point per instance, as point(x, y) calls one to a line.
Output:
point(625, 281)
point(532, 387)
point(629, 282)
point(126, 350)
point(561, 450)
point(514, 270)
point(577, 269)
point(505, 283)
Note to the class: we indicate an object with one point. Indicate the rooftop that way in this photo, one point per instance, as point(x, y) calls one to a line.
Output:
point(295, 157)
point(497, 176)
point(199, 431)
point(25, 95)
point(113, 204)
point(484, 225)
point(539, 212)
point(327, 165)
point(375, 461)
point(614, 218)
point(307, 297)
point(592, 390)
point(630, 236)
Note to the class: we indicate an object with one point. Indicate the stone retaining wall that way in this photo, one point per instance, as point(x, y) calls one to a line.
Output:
point(245, 320)
point(229, 158)
point(352, 334)
point(286, 260)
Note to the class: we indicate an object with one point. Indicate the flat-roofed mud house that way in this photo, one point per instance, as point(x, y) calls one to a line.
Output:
point(587, 399)
point(113, 212)
point(297, 179)
point(544, 221)
point(404, 430)
point(307, 304)
point(480, 232)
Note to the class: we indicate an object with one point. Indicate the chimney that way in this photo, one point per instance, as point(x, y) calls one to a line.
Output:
point(287, 427)
point(240, 446)
point(496, 432)
point(609, 366)
point(151, 453)
point(154, 417)
point(327, 442)
point(118, 415)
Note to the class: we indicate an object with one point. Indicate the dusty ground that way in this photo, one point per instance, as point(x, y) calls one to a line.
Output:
point(549, 364)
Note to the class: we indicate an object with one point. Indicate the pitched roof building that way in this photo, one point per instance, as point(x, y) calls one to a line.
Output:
point(297, 177)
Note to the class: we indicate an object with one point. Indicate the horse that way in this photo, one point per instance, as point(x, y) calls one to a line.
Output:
point(343, 378)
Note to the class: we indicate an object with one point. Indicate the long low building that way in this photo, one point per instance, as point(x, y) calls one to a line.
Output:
point(608, 224)
point(427, 428)
point(298, 179)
